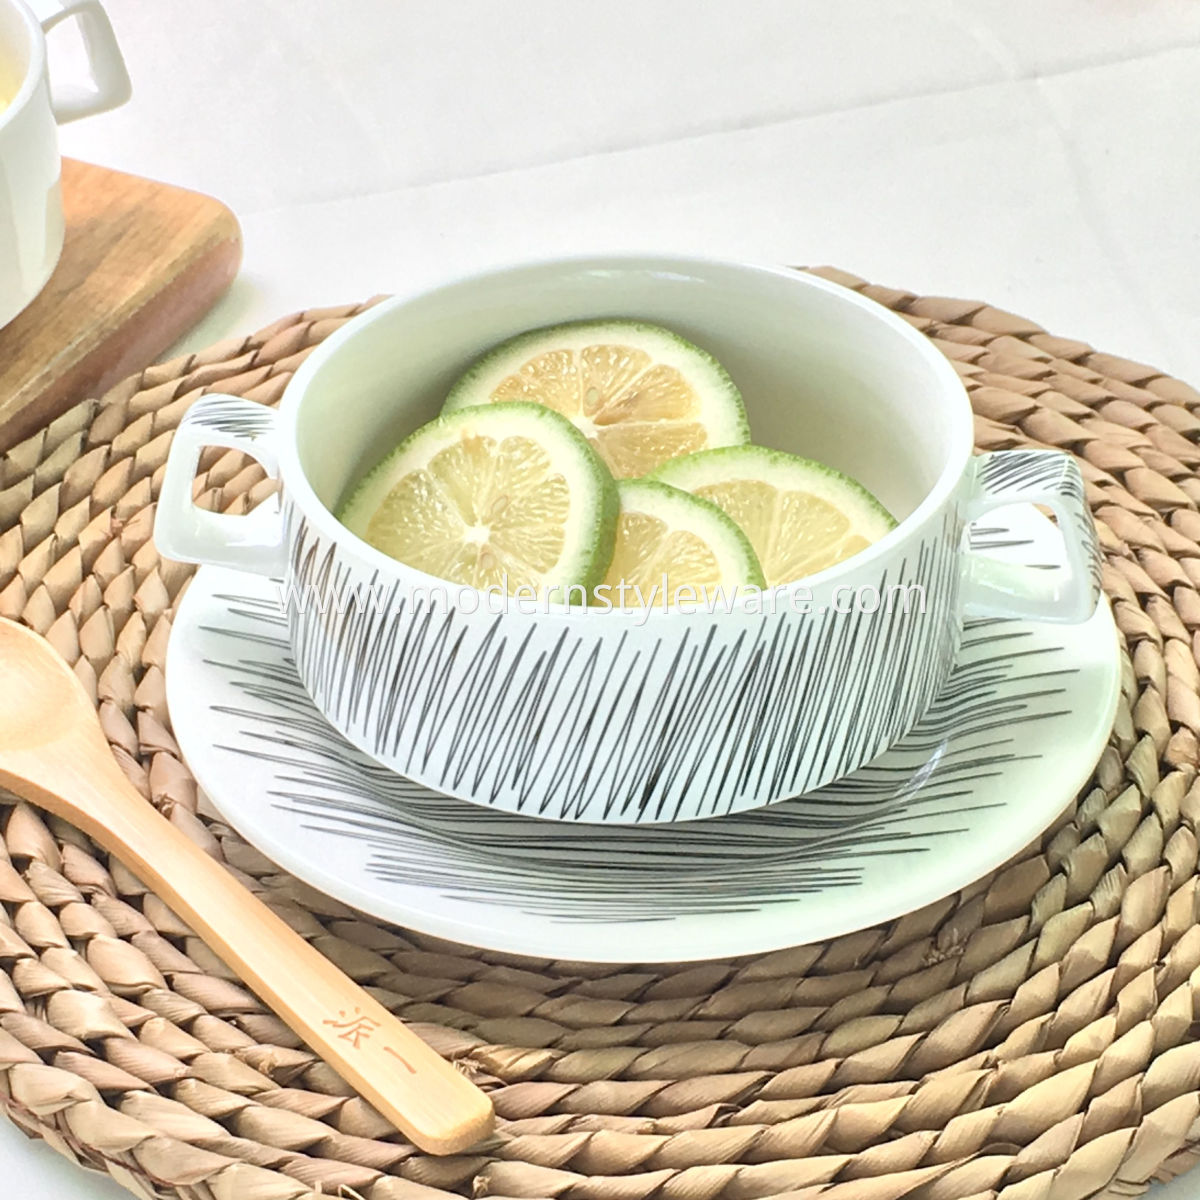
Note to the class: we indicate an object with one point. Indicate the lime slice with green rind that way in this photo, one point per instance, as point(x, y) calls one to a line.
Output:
point(668, 540)
point(640, 394)
point(800, 516)
point(509, 496)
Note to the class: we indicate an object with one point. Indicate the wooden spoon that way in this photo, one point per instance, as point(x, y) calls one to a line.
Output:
point(54, 754)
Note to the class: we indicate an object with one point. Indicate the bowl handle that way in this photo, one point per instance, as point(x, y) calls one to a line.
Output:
point(993, 588)
point(182, 531)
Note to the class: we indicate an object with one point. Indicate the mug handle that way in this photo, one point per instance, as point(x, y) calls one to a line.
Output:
point(186, 533)
point(994, 588)
point(110, 86)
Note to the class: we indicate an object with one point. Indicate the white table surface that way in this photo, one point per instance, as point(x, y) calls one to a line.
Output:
point(1042, 156)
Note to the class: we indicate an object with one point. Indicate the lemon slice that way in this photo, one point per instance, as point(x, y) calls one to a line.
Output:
point(640, 394)
point(509, 497)
point(799, 515)
point(664, 534)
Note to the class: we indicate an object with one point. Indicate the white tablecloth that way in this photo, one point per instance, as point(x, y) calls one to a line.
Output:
point(1042, 156)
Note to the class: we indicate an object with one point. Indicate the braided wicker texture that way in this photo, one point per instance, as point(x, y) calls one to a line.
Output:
point(1030, 1038)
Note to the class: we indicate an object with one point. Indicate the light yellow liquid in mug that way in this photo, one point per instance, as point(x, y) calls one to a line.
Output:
point(8, 85)
point(10, 73)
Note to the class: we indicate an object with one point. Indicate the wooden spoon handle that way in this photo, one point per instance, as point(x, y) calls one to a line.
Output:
point(425, 1096)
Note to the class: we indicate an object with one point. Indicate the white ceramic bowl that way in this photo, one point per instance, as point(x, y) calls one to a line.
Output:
point(634, 717)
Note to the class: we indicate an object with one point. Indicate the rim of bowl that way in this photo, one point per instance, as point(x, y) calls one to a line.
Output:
point(35, 68)
point(961, 441)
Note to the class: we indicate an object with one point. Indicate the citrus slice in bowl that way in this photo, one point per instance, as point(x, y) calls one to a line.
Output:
point(668, 540)
point(800, 516)
point(509, 496)
point(640, 394)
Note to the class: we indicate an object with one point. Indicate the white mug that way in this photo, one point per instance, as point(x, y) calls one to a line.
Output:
point(624, 717)
point(31, 214)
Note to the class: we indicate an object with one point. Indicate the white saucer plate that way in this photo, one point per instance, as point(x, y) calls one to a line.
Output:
point(1014, 735)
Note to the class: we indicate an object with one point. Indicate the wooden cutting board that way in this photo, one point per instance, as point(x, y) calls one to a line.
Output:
point(142, 262)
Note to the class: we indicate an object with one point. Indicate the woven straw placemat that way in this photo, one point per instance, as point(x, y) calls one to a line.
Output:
point(1030, 1038)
